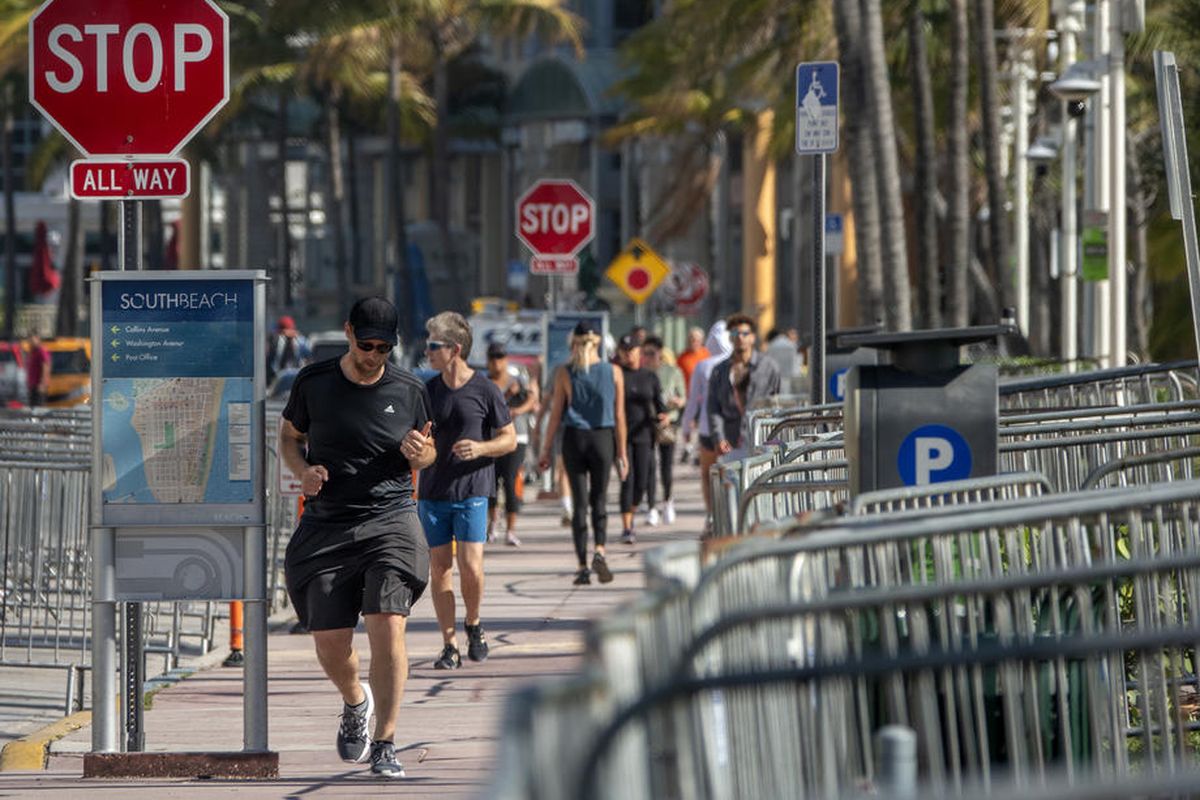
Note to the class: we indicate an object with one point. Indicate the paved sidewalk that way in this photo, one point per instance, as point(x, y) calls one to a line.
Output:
point(449, 721)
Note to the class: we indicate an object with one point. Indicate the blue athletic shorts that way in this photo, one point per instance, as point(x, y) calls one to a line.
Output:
point(464, 520)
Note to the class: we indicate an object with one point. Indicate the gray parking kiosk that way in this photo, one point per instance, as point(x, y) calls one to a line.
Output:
point(924, 418)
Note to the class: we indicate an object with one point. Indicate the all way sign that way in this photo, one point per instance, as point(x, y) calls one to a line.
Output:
point(125, 180)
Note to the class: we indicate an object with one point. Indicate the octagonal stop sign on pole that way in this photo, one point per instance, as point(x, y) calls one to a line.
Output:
point(129, 77)
point(555, 219)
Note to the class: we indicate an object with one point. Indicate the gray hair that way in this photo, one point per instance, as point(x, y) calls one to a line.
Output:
point(452, 327)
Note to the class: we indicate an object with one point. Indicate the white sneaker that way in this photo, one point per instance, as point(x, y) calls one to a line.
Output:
point(652, 518)
point(669, 512)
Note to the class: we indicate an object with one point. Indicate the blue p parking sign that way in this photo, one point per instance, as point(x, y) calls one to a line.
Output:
point(933, 454)
point(837, 384)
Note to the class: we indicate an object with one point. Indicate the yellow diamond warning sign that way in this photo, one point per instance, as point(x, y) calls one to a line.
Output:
point(638, 271)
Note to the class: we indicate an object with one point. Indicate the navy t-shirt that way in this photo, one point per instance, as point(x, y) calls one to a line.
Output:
point(475, 411)
point(355, 431)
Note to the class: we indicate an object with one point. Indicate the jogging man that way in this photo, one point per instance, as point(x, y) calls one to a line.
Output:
point(471, 427)
point(353, 430)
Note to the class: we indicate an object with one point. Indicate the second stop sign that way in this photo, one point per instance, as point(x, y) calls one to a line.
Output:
point(126, 77)
point(555, 218)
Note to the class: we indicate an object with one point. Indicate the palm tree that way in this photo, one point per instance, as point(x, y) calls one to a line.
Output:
point(989, 107)
point(958, 178)
point(895, 253)
point(925, 172)
point(863, 162)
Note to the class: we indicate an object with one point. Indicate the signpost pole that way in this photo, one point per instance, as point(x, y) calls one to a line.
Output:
point(816, 362)
point(104, 644)
point(130, 259)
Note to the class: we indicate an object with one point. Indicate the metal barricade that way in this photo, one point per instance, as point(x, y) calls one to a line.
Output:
point(1147, 383)
point(1008, 486)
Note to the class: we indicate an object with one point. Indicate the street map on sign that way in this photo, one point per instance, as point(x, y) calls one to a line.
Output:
point(177, 440)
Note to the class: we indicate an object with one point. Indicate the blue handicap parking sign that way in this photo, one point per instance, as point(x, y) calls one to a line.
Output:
point(933, 454)
point(837, 384)
point(816, 107)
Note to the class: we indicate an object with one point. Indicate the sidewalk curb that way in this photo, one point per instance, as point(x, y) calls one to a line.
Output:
point(31, 751)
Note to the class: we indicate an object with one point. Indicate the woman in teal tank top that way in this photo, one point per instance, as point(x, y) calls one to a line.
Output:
point(588, 401)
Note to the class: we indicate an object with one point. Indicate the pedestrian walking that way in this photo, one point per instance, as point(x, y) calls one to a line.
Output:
point(737, 383)
point(695, 415)
point(287, 348)
point(521, 395)
point(688, 360)
point(353, 430)
point(471, 428)
point(644, 409)
point(655, 357)
point(37, 370)
point(587, 401)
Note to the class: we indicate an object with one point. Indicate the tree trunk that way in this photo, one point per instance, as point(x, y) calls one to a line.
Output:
point(337, 196)
point(862, 164)
point(355, 213)
point(1043, 209)
point(10, 221)
point(1139, 208)
point(283, 245)
point(958, 214)
point(929, 278)
point(69, 295)
point(998, 267)
point(898, 295)
point(399, 234)
point(441, 167)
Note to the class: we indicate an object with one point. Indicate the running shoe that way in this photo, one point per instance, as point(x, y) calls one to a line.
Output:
point(383, 761)
point(627, 537)
point(600, 567)
point(511, 540)
point(449, 659)
point(565, 521)
point(652, 518)
point(669, 512)
point(583, 577)
point(477, 646)
point(353, 737)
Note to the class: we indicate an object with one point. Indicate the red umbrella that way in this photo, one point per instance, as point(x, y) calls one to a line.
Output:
point(43, 277)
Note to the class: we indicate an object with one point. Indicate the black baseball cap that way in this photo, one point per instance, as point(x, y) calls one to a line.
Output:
point(374, 318)
point(628, 342)
point(585, 328)
point(497, 350)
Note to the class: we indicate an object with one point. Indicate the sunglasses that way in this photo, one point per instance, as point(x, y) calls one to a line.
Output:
point(742, 332)
point(433, 346)
point(378, 348)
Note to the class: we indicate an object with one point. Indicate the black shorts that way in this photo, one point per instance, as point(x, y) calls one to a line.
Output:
point(707, 443)
point(336, 571)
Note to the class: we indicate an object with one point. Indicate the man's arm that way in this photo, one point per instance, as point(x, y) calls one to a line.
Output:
point(716, 422)
point(503, 443)
point(418, 447)
point(291, 445)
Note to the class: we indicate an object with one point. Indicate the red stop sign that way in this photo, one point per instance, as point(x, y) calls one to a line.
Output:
point(555, 218)
point(129, 77)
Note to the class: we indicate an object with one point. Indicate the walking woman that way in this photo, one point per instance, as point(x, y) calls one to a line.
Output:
point(588, 401)
point(644, 407)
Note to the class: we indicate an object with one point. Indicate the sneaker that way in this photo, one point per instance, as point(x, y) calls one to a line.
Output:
point(565, 521)
point(600, 567)
point(628, 538)
point(583, 577)
point(477, 646)
point(449, 659)
point(511, 540)
point(492, 537)
point(353, 738)
point(652, 518)
point(383, 761)
point(669, 512)
point(236, 658)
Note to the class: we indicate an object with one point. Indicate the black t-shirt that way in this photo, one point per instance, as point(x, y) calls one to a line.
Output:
point(355, 432)
point(643, 403)
point(475, 411)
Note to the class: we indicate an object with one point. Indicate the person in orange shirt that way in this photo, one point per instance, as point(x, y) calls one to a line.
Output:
point(687, 362)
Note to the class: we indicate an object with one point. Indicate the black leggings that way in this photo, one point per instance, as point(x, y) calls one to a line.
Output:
point(666, 471)
point(588, 457)
point(507, 468)
point(639, 482)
